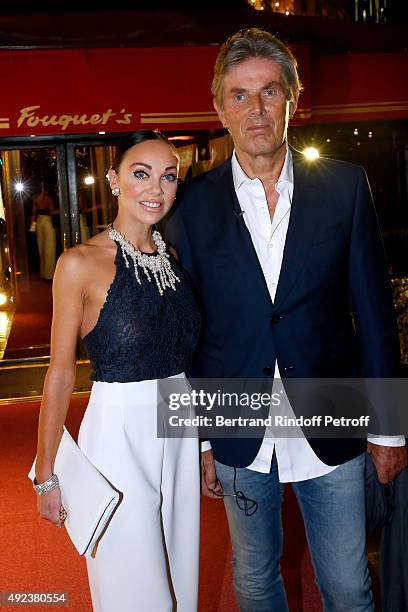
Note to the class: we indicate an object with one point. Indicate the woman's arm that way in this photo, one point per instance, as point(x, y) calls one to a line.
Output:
point(60, 379)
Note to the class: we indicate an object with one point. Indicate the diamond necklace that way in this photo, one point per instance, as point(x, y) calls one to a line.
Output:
point(158, 263)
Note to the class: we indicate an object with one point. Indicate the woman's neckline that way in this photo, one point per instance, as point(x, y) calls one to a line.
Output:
point(121, 238)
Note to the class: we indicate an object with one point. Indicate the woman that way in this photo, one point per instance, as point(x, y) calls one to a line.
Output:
point(131, 304)
point(43, 211)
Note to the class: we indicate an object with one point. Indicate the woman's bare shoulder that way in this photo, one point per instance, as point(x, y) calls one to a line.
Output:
point(79, 260)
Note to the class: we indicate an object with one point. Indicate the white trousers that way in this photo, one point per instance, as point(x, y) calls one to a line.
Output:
point(147, 560)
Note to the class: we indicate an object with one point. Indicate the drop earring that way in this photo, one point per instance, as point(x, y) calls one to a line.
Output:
point(116, 191)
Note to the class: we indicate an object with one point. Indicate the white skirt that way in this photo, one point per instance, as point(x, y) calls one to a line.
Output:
point(147, 560)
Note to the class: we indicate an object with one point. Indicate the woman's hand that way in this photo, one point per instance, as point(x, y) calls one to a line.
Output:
point(49, 505)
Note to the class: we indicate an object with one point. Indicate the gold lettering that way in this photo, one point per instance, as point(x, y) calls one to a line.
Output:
point(64, 121)
point(33, 121)
point(30, 118)
point(106, 116)
point(126, 119)
point(95, 119)
point(47, 120)
point(79, 120)
point(27, 113)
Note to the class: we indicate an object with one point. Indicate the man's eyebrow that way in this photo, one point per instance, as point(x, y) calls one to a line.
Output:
point(266, 86)
point(273, 84)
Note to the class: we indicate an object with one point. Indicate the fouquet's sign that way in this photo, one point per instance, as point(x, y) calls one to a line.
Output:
point(61, 91)
point(32, 116)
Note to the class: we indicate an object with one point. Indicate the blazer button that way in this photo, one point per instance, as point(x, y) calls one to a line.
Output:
point(268, 371)
point(289, 367)
point(276, 318)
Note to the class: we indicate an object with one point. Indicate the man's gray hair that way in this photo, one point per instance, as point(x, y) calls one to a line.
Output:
point(255, 43)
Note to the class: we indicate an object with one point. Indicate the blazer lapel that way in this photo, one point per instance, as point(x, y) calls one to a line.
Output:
point(304, 219)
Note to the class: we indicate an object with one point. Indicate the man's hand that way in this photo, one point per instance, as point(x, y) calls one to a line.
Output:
point(210, 485)
point(389, 461)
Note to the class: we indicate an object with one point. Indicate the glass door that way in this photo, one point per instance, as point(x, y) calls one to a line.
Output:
point(34, 231)
point(93, 206)
point(51, 198)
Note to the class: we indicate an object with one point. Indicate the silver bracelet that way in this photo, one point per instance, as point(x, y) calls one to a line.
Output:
point(45, 487)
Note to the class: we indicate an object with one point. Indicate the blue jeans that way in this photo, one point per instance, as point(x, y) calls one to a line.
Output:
point(333, 510)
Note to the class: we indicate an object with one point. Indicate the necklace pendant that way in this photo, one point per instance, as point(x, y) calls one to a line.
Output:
point(157, 264)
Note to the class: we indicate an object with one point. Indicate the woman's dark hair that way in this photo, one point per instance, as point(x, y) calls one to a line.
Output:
point(133, 138)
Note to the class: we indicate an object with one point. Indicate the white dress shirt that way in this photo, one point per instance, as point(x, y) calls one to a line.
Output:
point(295, 457)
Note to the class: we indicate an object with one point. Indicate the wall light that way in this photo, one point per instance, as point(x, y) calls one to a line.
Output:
point(19, 186)
point(181, 138)
point(89, 180)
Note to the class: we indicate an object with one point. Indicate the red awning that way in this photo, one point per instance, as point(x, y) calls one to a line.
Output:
point(112, 90)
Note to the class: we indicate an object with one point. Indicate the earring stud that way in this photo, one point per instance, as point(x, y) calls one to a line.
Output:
point(116, 191)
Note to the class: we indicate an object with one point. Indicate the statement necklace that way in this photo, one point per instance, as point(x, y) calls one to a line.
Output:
point(157, 264)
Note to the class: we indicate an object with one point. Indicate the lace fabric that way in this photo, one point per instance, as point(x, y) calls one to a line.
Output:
point(141, 335)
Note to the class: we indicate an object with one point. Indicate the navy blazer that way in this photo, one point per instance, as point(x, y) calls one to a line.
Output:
point(333, 269)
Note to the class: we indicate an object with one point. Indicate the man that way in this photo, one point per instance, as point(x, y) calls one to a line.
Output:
point(281, 251)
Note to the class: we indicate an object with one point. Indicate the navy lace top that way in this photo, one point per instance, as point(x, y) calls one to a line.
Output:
point(141, 335)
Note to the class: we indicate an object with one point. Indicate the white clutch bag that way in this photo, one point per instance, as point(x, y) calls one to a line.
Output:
point(89, 499)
